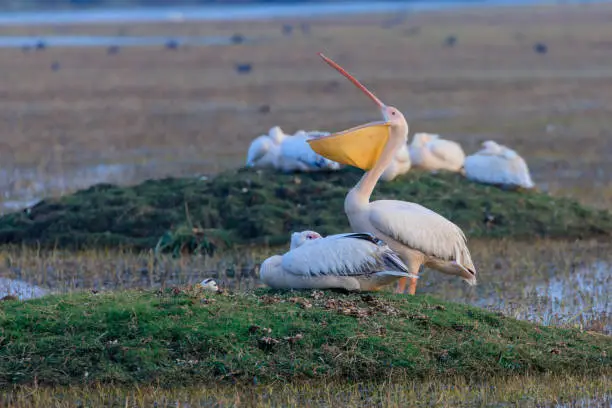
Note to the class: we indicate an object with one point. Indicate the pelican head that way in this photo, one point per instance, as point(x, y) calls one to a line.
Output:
point(362, 146)
point(300, 238)
point(210, 285)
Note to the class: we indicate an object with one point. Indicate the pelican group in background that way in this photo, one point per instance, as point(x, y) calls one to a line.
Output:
point(264, 151)
point(499, 165)
point(417, 234)
point(354, 262)
point(400, 165)
point(297, 155)
point(429, 152)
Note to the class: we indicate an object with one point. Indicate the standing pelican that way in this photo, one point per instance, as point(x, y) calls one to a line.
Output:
point(429, 152)
point(419, 235)
point(400, 165)
point(353, 262)
point(499, 165)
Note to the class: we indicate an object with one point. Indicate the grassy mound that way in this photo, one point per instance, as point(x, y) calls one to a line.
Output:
point(183, 336)
point(246, 207)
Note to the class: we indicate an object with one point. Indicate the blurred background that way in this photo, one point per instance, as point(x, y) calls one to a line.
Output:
point(121, 91)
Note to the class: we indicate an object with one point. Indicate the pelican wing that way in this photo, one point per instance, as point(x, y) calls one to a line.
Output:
point(422, 229)
point(447, 151)
point(359, 254)
point(497, 169)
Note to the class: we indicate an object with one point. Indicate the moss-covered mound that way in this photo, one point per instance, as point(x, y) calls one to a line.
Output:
point(263, 207)
point(183, 335)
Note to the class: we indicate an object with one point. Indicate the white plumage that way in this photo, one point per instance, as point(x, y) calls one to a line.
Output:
point(344, 261)
point(288, 153)
point(442, 242)
point(429, 152)
point(400, 165)
point(263, 153)
point(297, 155)
point(499, 165)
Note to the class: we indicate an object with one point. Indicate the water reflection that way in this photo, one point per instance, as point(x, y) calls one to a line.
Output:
point(23, 290)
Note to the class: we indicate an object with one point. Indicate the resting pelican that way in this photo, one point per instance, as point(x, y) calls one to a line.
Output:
point(296, 155)
point(263, 153)
point(355, 262)
point(400, 165)
point(429, 152)
point(498, 164)
point(419, 235)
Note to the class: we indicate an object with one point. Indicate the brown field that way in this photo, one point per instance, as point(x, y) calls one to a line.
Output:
point(158, 112)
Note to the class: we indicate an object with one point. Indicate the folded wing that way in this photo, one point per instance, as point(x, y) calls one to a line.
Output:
point(358, 254)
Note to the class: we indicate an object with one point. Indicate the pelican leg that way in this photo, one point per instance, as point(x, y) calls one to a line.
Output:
point(412, 287)
point(401, 285)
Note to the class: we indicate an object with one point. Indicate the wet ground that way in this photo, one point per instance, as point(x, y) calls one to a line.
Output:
point(550, 283)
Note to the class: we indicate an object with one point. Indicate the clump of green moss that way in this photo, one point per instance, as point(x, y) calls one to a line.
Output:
point(184, 335)
point(248, 207)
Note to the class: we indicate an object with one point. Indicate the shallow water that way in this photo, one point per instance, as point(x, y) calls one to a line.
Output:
point(23, 188)
point(108, 41)
point(23, 290)
point(240, 12)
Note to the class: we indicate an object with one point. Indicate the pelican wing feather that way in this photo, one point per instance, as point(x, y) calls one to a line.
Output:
point(358, 254)
point(447, 151)
point(422, 229)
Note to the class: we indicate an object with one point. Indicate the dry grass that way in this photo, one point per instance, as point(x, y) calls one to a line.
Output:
point(160, 112)
point(526, 391)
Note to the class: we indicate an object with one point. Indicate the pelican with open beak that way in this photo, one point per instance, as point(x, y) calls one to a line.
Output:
point(420, 236)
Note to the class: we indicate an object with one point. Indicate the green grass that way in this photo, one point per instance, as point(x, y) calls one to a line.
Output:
point(182, 336)
point(246, 207)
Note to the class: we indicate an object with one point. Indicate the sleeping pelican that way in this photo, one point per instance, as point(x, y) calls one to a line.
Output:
point(355, 262)
point(277, 135)
point(263, 153)
point(419, 235)
point(400, 165)
point(429, 152)
point(296, 155)
point(499, 165)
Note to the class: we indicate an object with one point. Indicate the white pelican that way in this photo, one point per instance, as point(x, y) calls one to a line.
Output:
point(355, 262)
point(400, 165)
point(300, 238)
point(429, 152)
point(419, 235)
point(499, 165)
point(277, 135)
point(296, 155)
point(263, 153)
